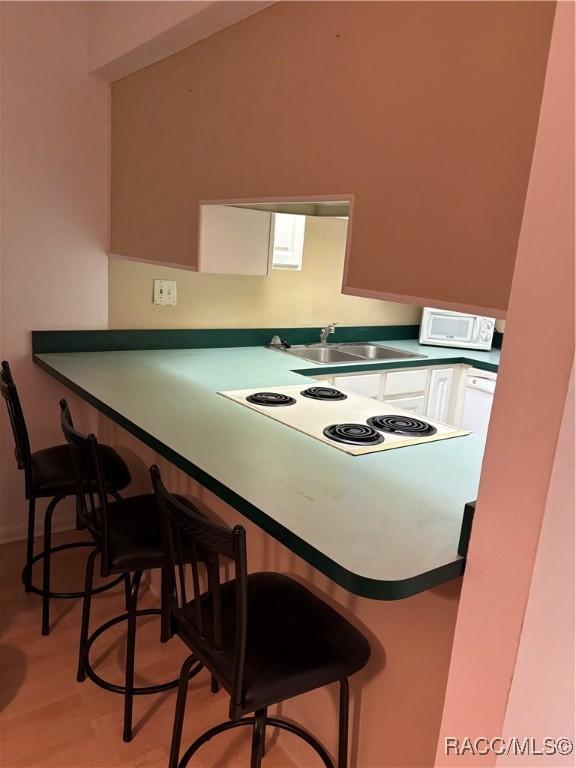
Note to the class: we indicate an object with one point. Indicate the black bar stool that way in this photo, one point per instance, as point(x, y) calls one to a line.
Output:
point(129, 541)
point(49, 474)
point(263, 636)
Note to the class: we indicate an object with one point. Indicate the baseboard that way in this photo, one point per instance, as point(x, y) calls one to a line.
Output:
point(18, 531)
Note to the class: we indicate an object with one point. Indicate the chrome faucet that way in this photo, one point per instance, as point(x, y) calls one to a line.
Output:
point(325, 332)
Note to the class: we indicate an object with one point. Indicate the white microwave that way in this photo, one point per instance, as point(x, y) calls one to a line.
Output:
point(456, 329)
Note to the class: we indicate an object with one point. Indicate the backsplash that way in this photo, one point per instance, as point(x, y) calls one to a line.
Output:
point(310, 297)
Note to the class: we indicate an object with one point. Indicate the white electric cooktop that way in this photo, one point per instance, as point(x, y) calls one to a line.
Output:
point(344, 420)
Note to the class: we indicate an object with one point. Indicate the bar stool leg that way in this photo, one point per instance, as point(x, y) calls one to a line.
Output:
point(343, 724)
point(263, 745)
point(30, 543)
point(258, 738)
point(165, 600)
point(86, 604)
point(180, 710)
point(127, 591)
point(47, 563)
point(130, 653)
point(79, 523)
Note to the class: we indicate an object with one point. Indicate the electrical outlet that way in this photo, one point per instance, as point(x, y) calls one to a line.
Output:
point(165, 292)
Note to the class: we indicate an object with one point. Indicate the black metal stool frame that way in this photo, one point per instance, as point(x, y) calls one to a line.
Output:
point(46, 556)
point(258, 722)
point(87, 639)
point(24, 460)
point(95, 517)
point(178, 523)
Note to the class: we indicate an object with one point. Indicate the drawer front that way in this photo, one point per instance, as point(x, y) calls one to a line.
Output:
point(414, 404)
point(368, 385)
point(399, 382)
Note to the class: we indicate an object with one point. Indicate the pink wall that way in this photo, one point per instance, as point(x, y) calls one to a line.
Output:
point(55, 180)
point(55, 185)
point(526, 421)
point(126, 36)
point(425, 111)
point(115, 29)
point(541, 701)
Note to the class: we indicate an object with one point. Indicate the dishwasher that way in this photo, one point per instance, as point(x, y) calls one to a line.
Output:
point(479, 389)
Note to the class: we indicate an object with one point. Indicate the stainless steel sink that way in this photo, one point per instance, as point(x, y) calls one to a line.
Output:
point(346, 353)
point(377, 352)
point(324, 354)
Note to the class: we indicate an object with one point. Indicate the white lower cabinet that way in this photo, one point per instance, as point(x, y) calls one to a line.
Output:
point(440, 394)
point(414, 404)
point(403, 382)
point(427, 391)
point(435, 392)
point(367, 384)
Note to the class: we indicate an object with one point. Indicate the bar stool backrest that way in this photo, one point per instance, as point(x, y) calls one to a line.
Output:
point(17, 422)
point(90, 483)
point(189, 537)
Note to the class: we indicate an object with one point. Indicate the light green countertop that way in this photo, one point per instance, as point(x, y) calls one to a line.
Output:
point(383, 525)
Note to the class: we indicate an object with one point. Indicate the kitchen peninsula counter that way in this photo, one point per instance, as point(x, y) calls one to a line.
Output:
point(384, 525)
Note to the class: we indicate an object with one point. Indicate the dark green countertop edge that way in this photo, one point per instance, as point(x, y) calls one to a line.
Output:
point(359, 585)
point(44, 342)
point(47, 342)
point(416, 363)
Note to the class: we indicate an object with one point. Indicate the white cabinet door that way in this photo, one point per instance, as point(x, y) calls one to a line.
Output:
point(414, 404)
point(234, 241)
point(404, 382)
point(439, 394)
point(288, 241)
point(368, 385)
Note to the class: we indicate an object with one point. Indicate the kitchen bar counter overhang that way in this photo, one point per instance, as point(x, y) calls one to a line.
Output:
point(384, 526)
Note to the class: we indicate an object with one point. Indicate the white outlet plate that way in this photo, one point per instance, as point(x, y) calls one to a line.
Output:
point(165, 293)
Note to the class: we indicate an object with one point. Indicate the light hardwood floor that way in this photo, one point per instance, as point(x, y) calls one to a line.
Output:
point(48, 719)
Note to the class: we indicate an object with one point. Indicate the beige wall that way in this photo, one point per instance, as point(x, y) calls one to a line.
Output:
point(286, 298)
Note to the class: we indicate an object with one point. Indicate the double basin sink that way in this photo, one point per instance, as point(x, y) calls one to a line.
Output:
point(346, 353)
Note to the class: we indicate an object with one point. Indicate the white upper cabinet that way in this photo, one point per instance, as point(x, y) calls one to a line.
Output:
point(288, 248)
point(234, 241)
